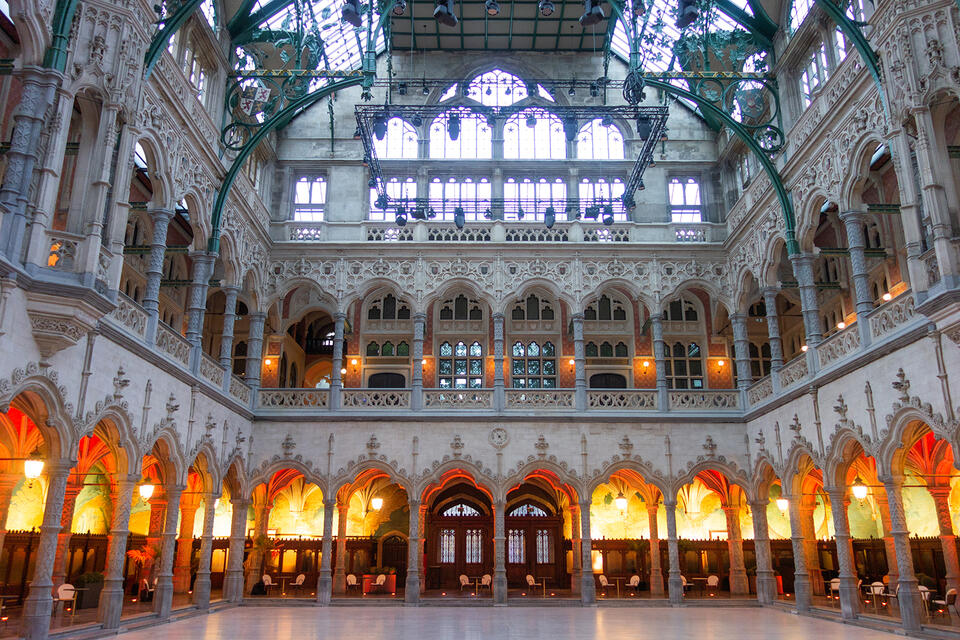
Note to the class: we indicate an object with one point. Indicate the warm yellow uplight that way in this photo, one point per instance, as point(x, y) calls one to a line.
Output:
point(146, 490)
point(782, 504)
point(621, 501)
point(376, 503)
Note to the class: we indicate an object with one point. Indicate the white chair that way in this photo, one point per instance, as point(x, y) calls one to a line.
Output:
point(942, 607)
point(67, 598)
point(464, 581)
point(924, 596)
point(533, 584)
point(352, 582)
point(834, 590)
point(604, 584)
point(486, 580)
point(634, 583)
point(713, 585)
point(684, 584)
point(298, 583)
point(145, 587)
point(876, 594)
point(379, 585)
point(268, 582)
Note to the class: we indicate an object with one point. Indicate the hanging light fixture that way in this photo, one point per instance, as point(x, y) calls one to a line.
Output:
point(546, 8)
point(458, 217)
point(550, 217)
point(592, 13)
point(443, 13)
point(687, 13)
point(380, 126)
point(621, 501)
point(607, 215)
point(33, 466)
point(453, 127)
point(399, 7)
point(859, 489)
point(351, 13)
point(493, 7)
point(145, 489)
point(782, 504)
point(376, 503)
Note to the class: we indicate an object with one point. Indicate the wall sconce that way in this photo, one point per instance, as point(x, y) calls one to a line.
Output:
point(646, 363)
point(343, 371)
point(267, 361)
point(841, 325)
point(804, 348)
point(720, 363)
point(887, 297)
point(782, 504)
point(376, 503)
point(353, 362)
point(145, 489)
point(572, 362)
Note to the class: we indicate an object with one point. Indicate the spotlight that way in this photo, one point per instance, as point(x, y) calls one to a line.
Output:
point(572, 91)
point(402, 87)
point(594, 90)
point(520, 213)
point(366, 161)
point(458, 217)
point(443, 13)
point(550, 217)
point(493, 8)
point(402, 211)
point(532, 121)
point(418, 213)
point(425, 91)
point(431, 214)
point(628, 202)
point(593, 12)
point(591, 213)
point(380, 127)
point(453, 127)
point(372, 182)
point(417, 121)
point(358, 133)
point(381, 202)
point(644, 128)
point(607, 121)
point(687, 13)
point(401, 218)
point(546, 8)
point(488, 215)
point(351, 13)
point(608, 215)
point(399, 7)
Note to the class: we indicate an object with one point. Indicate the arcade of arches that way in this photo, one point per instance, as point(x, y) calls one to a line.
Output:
point(593, 302)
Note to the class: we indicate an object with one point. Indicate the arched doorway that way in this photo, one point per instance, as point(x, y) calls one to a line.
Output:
point(534, 540)
point(459, 537)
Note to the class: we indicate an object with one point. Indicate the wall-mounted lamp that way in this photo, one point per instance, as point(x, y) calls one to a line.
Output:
point(804, 348)
point(267, 361)
point(343, 371)
point(572, 362)
point(145, 489)
point(887, 297)
point(424, 362)
point(720, 363)
point(353, 362)
point(376, 503)
point(782, 504)
point(646, 363)
point(841, 325)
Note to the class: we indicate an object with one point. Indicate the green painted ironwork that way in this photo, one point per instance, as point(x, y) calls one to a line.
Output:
point(170, 26)
point(55, 56)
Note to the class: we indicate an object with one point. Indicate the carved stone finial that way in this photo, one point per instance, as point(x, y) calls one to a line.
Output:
point(841, 408)
point(288, 445)
point(902, 385)
point(795, 426)
point(542, 445)
point(760, 439)
point(457, 446)
point(172, 406)
point(120, 382)
point(372, 445)
point(710, 447)
point(626, 446)
point(210, 425)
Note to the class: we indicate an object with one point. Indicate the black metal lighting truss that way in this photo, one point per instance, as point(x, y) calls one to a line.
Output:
point(651, 120)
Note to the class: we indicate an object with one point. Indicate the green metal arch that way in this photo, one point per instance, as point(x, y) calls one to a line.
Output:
point(170, 27)
point(55, 56)
point(282, 118)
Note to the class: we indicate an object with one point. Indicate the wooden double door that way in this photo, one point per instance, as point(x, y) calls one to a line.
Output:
point(534, 547)
point(460, 545)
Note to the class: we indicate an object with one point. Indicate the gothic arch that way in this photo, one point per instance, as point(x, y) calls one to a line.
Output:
point(114, 425)
point(151, 143)
point(904, 427)
point(34, 390)
point(631, 290)
point(728, 468)
point(839, 455)
point(169, 436)
point(269, 467)
point(859, 167)
point(453, 470)
point(540, 287)
point(650, 476)
point(558, 475)
point(213, 477)
point(809, 217)
point(347, 476)
point(455, 286)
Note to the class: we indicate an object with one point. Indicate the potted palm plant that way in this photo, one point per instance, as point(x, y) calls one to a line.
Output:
point(144, 557)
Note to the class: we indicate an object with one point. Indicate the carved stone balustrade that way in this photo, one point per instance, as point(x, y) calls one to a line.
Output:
point(543, 399)
point(293, 398)
point(704, 400)
point(888, 317)
point(622, 400)
point(458, 399)
point(839, 345)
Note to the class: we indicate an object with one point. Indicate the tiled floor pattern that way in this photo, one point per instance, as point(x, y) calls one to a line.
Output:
point(528, 623)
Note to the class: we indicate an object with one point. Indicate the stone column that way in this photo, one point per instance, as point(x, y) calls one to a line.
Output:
point(576, 576)
point(39, 90)
point(674, 583)
point(158, 246)
point(766, 580)
point(741, 350)
point(261, 520)
point(660, 361)
point(38, 605)
point(324, 582)
point(499, 554)
point(588, 588)
point(233, 577)
point(656, 573)
point(810, 546)
point(849, 592)
point(336, 379)
point(499, 383)
point(739, 585)
point(411, 591)
point(908, 596)
point(801, 576)
point(580, 365)
point(340, 572)
point(416, 393)
point(197, 304)
point(7, 484)
point(853, 222)
point(255, 349)
point(773, 328)
point(888, 546)
point(110, 605)
point(229, 322)
point(948, 541)
point(181, 565)
point(163, 594)
point(62, 558)
point(809, 305)
point(201, 586)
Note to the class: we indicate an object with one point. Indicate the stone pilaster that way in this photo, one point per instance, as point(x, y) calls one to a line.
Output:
point(810, 546)
point(739, 585)
point(163, 594)
point(656, 573)
point(233, 577)
point(588, 588)
point(498, 376)
point(340, 572)
point(948, 541)
point(181, 565)
point(580, 365)
point(576, 576)
point(416, 386)
point(255, 348)
point(674, 583)
point(62, 559)
point(38, 605)
point(773, 328)
point(890, 551)
point(324, 581)
point(809, 305)
point(660, 361)
point(229, 323)
point(499, 553)
point(411, 592)
point(801, 576)
point(197, 303)
point(908, 596)
point(151, 293)
point(255, 563)
point(849, 592)
point(853, 222)
point(201, 586)
point(336, 378)
point(741, 349)
point(111, 597)
point(766, 580)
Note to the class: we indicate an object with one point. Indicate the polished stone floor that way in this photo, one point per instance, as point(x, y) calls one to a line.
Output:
point(518, 623)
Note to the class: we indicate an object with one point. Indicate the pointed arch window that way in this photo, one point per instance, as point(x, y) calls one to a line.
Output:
point(459, 510)
point(599, 141)
point(528, 510)
point(497, 88)
point(461, 134)
point(401, 141)
point(534, 134)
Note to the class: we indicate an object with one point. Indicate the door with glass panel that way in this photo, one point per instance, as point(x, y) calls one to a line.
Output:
point(533, 546)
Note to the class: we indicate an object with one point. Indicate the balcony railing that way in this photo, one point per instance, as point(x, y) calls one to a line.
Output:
point(839, 345)
point(542, 399)
point(458, 399)
point(375, 398)
point(621, 400)
point(704, 399)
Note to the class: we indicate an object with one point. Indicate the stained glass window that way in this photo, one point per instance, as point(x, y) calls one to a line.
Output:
point(544, 547)
point(516, 546)
point(448, 546)
point(473, 546)
point(533, 366)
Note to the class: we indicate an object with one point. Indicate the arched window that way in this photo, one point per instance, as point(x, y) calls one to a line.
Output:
point(209, 11)
point(388, 308)
point(309, 199)
point(534, 366)
point(447, 194)
point(759, 360)
point(597, 141)
point(532, 309)
point(684, 365)
point(606, 309)
point(460, 366)
point(459, 510)
point(681, 310)
point(497, 89)
point(460, 134)
point(294, 375)
point(528, 509)
point(534, 134)
point(240, 359)
point(400, 141)
point(403, 349)
point(460, 308)
point(283, 371)
point(399, 191)
point(387, 349)
point(373, 349)
point(528, 198)
point(596, 194)
point(685, 200)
